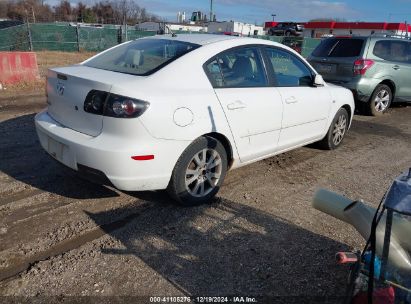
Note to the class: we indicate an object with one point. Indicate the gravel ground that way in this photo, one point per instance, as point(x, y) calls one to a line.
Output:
point(62, 237)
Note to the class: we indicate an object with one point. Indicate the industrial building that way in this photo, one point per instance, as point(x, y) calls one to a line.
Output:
point(234, 27)
point(169, 26)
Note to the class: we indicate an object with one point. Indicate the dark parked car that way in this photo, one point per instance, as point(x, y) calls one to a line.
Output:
point(286, 29)
point(9, 23)
point(377, 69)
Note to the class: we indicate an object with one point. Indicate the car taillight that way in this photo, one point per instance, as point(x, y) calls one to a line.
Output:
point(95, 102)
point(362, 65)
point(125, 107)
point(113, 105)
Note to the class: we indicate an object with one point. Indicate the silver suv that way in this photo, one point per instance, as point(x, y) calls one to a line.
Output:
point(376, 69)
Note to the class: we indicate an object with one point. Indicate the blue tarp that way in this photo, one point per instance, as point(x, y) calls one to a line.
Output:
point(398, 198)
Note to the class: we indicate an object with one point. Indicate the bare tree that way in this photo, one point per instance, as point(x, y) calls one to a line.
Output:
point(64, 11)
point(106, 11)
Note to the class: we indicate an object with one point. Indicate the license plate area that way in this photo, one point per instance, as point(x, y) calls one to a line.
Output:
point(327, 68)
point(55, 149)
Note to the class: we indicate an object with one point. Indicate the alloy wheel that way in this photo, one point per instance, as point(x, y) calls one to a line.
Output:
point(340, 127)
point(382, 100)
point(203, 172)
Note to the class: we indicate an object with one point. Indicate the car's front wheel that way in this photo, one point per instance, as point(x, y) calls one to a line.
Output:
point(199, 172)
point(380, 100)
point(337, 131)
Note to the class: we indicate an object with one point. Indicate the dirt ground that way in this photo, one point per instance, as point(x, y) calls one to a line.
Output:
point(62, 237)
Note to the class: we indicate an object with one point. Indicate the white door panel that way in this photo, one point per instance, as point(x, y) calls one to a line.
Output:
point(306, 111)
point(306, 107)
point(254, 116)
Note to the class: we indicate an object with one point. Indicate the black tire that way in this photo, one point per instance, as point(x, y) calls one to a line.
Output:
point(376, 108)
point(190, 195)
point(333, 140)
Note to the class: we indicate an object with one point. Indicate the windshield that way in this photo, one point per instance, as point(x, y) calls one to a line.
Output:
point(142, 56)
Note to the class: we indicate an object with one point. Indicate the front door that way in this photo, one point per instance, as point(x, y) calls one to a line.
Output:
point(306, 108)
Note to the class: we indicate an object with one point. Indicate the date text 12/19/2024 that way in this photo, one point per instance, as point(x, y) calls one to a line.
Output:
point(187, 299)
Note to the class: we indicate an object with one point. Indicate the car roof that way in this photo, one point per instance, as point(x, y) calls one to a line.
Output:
point(200, 39)
point(375, 37)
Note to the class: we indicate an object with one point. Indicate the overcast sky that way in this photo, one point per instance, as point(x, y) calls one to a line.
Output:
point(261, 10)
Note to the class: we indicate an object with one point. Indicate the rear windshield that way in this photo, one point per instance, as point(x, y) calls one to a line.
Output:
point(142, 56)
point(335, 47)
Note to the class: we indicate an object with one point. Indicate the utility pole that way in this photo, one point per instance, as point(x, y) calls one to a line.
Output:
point(34, 16)
point(211, 10)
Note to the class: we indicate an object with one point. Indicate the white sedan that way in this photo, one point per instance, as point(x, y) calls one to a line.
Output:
point(177, 112)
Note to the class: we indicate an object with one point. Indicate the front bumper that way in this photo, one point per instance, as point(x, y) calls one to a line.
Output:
point(111, 155)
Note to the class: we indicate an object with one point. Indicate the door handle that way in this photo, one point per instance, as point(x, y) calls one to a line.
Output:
point(396, 67)
point(238, 104)
point(291, 99)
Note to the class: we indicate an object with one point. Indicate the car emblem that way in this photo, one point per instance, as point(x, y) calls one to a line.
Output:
point(60, 88)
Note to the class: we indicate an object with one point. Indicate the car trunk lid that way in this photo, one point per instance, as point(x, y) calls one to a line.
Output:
point(67, 89)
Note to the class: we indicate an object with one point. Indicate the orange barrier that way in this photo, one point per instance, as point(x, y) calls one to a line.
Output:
point(18, 66)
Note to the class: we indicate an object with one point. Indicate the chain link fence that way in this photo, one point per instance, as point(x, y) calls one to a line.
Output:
point(64, 37)
point(14, 39)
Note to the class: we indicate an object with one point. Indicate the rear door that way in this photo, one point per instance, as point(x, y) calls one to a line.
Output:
point(334, 58)
point(279, 29)
point(400, 65)
point(404, 66)
point(253, 110)
point(393, 60)
point(306, 108)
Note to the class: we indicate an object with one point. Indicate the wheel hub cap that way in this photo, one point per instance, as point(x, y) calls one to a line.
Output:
point(382, 100)
point(203, 172)
point(340, 128)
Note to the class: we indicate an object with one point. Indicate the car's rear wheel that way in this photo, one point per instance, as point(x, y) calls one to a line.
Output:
point(380, 100)
point(199, 172)
point(337, 131)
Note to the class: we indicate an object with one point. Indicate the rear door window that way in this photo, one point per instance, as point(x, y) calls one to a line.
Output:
point(214, 73)
point(339, 47)
point(399, 51)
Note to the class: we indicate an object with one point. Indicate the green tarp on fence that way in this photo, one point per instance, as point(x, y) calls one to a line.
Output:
point(53, 37)
point(63, 37)
point(97, 39)
point(14, 39)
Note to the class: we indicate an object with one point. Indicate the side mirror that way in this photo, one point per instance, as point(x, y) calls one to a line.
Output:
point(318, 81)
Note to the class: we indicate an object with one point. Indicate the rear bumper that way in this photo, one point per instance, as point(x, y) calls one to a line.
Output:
point(362, 87)
point(111, 155)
